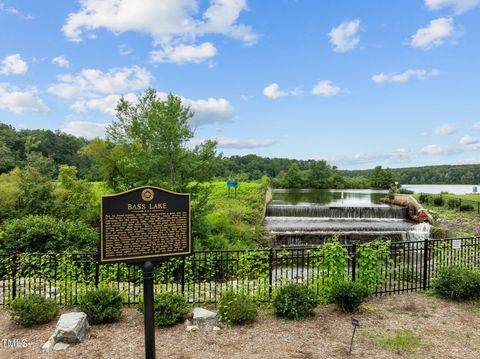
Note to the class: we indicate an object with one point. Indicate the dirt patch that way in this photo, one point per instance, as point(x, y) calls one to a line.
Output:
point(445, 330)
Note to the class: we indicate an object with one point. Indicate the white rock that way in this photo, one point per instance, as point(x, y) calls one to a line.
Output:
point(188, 323)
point(203, 315)
point(192, 328)
point(48, 346)
point(216, 329)
point(60, 346)
point(71, 328)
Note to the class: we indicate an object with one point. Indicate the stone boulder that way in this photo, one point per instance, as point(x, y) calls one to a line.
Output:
point(72, 328)
point(204, 318)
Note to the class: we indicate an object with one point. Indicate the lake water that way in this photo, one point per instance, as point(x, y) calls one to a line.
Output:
point(437, 188)
point(332, 197)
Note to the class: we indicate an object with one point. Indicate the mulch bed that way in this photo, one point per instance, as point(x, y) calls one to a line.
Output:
point(445, 329)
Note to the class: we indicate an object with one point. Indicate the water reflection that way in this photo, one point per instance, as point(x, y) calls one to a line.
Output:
point(349, 198)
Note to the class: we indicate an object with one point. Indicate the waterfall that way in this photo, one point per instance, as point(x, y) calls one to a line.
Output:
point(389, 212)
point(292, 224)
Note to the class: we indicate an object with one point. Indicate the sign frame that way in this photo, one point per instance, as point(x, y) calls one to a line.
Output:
point(142, 258)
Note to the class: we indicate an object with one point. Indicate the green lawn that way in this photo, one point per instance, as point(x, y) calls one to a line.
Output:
point(236, 220)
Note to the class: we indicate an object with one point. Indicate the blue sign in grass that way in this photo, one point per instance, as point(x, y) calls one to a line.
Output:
point(232, 184)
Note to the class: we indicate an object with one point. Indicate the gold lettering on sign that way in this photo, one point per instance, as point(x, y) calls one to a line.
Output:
point(143, 233)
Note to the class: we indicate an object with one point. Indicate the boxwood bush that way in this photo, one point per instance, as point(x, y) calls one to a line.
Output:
point(467, 208)
point(349, 295)
point(102, 305)
point(32, 309)
point(438, 201)
point(457, 283)
point(295, 301)
point(169, 308)
point(236, 308)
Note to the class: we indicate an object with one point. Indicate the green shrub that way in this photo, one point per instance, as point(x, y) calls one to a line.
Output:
point(405, 191)
point(32, 309)
point(457, 283)
point(169, 308)
point(294, 301)
point(236, 308)
point(438, 232)
point(349, 295)
point(438, 201)
point(466, 208)
point(103, 305)
point(46, 233)
point(424, 198)
point(452, 203)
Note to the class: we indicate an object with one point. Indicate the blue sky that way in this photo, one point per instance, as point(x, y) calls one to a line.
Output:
point(358, 83)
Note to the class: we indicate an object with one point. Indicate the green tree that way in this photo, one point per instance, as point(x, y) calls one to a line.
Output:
point(154, 133)
point(7, 158)
point(320, 174)
point(74, 198)
point(293, 177)
point(382, 178)
point(36, 185)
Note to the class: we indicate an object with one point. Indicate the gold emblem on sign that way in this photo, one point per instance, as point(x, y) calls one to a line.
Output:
point(147, 194)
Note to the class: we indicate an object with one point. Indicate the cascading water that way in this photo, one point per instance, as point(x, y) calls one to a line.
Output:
point(310, 223)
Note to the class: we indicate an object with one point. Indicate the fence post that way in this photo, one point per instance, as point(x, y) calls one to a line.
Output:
point(354, 261)
point(183, 276)
point(14, 275)
point(425, 263)
point(270, 274)
point(97, 274)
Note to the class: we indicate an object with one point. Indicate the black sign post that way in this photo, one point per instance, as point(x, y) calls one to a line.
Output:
point(148, 270)
point(141, 226)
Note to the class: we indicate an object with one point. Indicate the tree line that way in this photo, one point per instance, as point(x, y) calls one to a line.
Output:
point(441, 174)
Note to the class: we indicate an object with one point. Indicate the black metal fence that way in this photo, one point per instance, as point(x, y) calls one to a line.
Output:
point(459, 203)
point(202, 277)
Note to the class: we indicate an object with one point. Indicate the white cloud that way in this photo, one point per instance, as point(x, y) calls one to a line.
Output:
point(228, 142)
point(404, 76)
point(61, 61)
point(211, 110)
point(467, 140)
point(239, 143)
point(105, 104)
point(400, 155)
point(124, 50)
point(85, 129)
point(91, 82)
point(434, 34)
point(436, 150)
point(325, 88)
point(13, 11)
point(170, 23)
point(459, 6)
point(184, 53)
point(343, 37)
point(476, 126)
point(272, 91)
point(403, 155)
point(20, 102)
point(13, 65)
point(444, 130)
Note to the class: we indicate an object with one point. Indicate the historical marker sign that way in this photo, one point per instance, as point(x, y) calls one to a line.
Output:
point(145, 224)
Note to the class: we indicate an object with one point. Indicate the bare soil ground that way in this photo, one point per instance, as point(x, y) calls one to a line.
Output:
point(445, 330)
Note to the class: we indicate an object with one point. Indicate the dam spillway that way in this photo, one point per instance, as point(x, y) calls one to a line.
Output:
point(361, 218)
point(316, 211)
